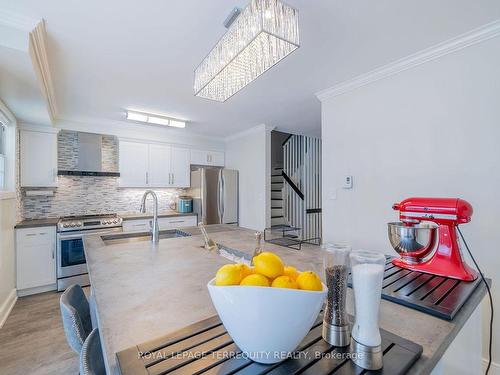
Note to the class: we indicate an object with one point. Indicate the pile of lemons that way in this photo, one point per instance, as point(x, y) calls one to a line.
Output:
point(268, 270)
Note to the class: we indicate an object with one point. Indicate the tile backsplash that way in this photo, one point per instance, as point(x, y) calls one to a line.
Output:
point(77, 195)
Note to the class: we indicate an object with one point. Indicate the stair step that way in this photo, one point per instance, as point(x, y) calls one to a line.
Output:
point(276, 175)
point(277, 221)
point(276, 199)
point(276, 217)
point(276, 190)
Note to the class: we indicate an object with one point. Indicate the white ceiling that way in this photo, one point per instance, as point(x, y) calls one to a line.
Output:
point(106, 56)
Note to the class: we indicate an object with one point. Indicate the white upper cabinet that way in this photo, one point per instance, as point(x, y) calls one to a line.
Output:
point(213, 158)
point(38, 158)
point(180, 167)
point(134, 164)
point(153, 165)
point(159, 174)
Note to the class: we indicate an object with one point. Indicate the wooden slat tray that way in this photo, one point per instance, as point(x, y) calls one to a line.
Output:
point(179, 353)
point(439, 296)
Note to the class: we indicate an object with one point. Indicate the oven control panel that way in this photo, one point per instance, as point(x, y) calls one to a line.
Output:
point(76, 223)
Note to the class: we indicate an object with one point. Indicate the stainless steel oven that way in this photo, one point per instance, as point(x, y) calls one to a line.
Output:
point(71, 262)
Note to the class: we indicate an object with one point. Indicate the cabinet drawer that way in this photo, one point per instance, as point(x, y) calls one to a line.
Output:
point(178, 222)
point(140, 225)
point(36, 236)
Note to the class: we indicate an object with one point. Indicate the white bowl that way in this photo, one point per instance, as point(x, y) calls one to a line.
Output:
point(266, 323)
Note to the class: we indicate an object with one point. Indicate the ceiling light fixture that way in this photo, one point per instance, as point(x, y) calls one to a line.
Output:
point(264, 33)
point(155, 119)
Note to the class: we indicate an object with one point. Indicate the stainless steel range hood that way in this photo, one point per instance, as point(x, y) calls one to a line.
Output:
point(88, 157)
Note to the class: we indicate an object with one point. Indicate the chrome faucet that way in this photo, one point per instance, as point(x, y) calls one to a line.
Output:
point(155, 235)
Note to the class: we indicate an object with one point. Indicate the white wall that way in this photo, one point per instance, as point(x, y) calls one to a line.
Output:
point(145, 132)
point(249, 153)
point(432, 130)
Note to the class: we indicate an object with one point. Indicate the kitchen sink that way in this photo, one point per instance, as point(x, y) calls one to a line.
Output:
point(121, 238)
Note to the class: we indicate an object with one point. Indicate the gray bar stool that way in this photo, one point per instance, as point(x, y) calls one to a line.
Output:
point(75, 314)
point(91, 360)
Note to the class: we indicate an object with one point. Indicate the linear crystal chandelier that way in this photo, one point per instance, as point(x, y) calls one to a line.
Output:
point(265, 32)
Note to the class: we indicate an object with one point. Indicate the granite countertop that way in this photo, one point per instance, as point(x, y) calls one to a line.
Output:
point(32, 223)
point(144, 291)
point(147, 215)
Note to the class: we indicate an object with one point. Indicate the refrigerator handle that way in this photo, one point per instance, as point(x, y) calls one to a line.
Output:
point(203, 199)
point(223, 187)
point(219, 196)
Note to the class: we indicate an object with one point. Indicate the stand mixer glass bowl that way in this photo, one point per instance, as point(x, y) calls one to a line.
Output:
point(414, 242)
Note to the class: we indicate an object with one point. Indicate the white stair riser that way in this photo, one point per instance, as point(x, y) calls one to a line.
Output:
point(277, 221)
point(276, 212)
point(276, 194)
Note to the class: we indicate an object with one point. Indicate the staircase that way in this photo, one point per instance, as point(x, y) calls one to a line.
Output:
point(277, 196)
point(302, 186)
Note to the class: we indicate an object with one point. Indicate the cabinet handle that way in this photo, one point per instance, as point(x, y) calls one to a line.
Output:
point(31, 234)
point(177, 221)
point(173, 179)
point(53, 256)
point(42, 234)
point(170, 178)
point(147, 178)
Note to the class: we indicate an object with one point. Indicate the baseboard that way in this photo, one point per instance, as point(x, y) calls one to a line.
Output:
point(36, 290)
point(494, 369)
point(7, 306)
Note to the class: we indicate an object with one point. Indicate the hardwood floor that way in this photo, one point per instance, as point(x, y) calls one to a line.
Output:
point(32, 339)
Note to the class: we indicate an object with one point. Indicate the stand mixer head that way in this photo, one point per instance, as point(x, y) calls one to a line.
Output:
point(426, 238)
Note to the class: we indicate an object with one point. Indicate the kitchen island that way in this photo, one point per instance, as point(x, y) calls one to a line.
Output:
point(142, 291)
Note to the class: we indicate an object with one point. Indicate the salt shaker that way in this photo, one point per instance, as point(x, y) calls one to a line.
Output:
point(335, 321)
point(367, 275)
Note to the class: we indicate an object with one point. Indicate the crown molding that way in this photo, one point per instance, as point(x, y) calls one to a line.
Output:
point(40, 61)
point(38, 128)
point(246, 132)
point(483, 33)
point(17, 21)
point(137, 131)
point(6, 116)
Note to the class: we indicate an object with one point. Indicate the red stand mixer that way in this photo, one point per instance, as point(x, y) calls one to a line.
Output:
point(426, 238)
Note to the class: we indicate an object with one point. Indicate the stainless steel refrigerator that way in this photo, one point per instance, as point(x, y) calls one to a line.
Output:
point(215, 195)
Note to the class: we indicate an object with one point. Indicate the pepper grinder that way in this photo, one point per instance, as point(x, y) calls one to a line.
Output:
point(335, 321)
point(367, 276)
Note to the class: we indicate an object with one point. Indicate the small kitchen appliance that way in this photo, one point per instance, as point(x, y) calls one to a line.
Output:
point(184, 204)
point(426, 238)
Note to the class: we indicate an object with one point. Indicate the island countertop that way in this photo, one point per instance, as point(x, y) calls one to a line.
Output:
point(144, 291)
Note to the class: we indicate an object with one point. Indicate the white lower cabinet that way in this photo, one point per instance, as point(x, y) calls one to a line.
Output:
point(36, 258)
point(143, 225)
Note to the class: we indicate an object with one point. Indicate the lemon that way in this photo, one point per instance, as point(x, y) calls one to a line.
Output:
point(229, 274)
point(291, 271)
point(245, 270)
point(255, 280)
point(268, 264)
point(284, 282)
point(309, 280)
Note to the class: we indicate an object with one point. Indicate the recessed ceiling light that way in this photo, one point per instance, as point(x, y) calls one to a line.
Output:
point(155, 119)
